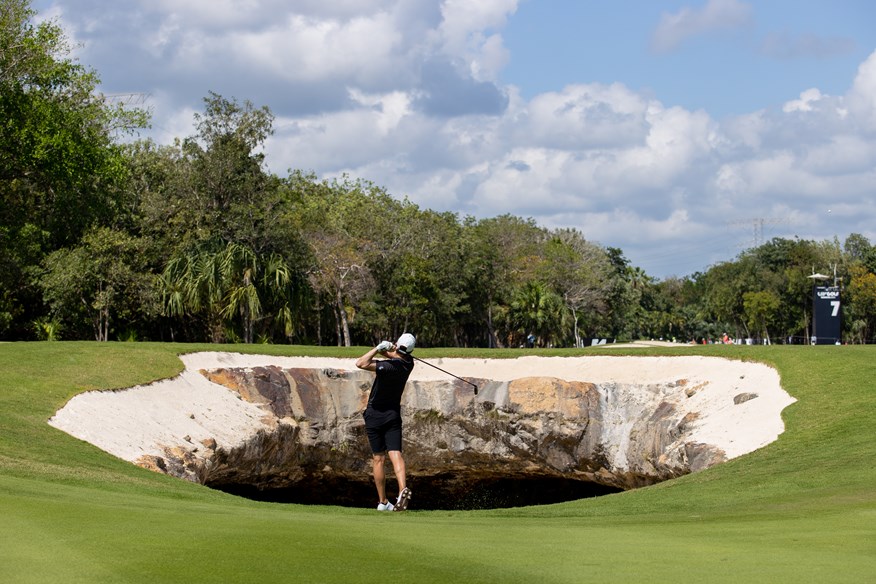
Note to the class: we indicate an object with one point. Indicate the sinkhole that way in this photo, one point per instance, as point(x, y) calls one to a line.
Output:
point(450, 466)
point(440, 492)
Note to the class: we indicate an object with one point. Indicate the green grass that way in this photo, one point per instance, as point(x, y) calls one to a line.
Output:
point(802, 509)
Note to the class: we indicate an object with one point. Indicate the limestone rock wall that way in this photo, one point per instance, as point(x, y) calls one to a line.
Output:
point(613, 435)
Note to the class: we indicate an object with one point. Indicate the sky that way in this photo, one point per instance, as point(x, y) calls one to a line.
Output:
point(682, 132)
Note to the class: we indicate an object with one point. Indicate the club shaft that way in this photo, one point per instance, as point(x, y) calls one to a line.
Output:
point(448, 373)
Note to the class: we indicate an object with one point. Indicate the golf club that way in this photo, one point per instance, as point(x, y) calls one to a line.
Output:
point(448, 373)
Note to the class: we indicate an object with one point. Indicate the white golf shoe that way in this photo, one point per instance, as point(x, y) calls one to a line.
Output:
point(403, 499)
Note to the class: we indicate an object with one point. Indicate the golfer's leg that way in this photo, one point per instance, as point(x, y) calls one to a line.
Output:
point(398, 465)
point(377, 462)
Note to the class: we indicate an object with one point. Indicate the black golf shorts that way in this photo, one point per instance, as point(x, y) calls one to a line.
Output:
point(384, 430)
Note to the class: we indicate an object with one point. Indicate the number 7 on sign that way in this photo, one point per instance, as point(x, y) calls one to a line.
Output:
point(836, 305)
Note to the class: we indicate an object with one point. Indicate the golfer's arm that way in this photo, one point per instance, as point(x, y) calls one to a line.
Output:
point(366, 361)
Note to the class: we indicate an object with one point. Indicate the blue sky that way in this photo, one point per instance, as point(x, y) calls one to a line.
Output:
point(676, 131)
point(776, 48)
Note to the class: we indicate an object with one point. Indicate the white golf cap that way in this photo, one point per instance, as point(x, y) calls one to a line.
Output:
point(406, 343)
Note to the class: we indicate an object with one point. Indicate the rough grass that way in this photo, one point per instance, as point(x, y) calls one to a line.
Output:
point(802, 509)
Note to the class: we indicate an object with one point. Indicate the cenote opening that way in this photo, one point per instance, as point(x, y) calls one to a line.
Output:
point(437, 492)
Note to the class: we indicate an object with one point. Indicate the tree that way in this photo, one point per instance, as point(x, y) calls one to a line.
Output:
point(862, 303)
point(579, 272)
point(229, 244)
point(212, 185)
point(340, 272)
point(60, 165)
point(420, 276)
point(621, 301)
point(226, 282)
point(536, 309)
point(100, 281)
point(60, 168)
point(499, 255)
point(760, 311)
point(858, 250)
point(725, 285)
point(229, 183)
point(857, 247)
point(335, 220)
point(783, 266)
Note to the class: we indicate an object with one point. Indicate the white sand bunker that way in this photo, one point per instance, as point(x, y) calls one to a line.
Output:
point(738, 404)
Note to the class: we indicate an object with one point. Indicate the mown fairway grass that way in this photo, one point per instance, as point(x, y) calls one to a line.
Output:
point(802, 509)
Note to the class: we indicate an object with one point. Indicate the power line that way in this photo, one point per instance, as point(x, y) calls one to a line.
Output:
point(757, 224)
point(132, 99)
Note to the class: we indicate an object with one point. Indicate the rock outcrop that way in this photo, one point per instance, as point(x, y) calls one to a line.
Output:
point(530, 427)
point(522, 440)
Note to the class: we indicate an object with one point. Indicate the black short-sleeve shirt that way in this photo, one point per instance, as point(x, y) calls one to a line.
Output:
point(389, 384)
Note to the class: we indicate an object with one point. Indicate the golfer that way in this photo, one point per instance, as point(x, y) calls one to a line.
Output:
point(383, 422)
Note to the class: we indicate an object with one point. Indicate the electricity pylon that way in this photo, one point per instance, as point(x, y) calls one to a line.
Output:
point(757, 224)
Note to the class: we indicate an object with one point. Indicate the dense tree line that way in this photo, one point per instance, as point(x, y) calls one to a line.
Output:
point(106, 238)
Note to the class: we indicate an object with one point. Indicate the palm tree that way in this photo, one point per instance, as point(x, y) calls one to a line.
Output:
point(226, 282)
point(537, 309)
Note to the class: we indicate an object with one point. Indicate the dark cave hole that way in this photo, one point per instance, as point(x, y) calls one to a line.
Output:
point(430, 493)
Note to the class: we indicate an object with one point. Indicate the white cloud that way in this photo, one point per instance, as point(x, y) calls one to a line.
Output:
point(207, 13)
point(522, 179)
point(780, 176)
point(806, 102)
point(745, 132)
point(462, 30)
point(861, 98)
point(639, 230)
point(445, 55)
point(296, 48)
point(463, 35)
point(303, 50)
point(233, 14)
point(839, 155)
point(585, 116)
point(156, 42)
point(676, 140)
point(331, 142)
point(389, 109)
point(674, 29)
point(491, 59)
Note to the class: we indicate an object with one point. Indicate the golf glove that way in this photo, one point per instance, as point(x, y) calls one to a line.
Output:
point(384, 346)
